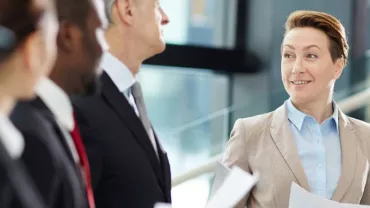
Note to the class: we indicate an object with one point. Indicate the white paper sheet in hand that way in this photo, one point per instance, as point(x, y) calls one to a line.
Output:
point(236, 185)
point(300, 198)
point(221, 174)
point(162, 205)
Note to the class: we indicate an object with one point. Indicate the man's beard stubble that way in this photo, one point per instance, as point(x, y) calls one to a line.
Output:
point(91, 85)
point(91, 82)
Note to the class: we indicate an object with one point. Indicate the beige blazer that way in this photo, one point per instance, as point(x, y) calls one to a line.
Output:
point(265, 143)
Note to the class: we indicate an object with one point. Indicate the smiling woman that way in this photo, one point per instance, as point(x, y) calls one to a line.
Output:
point(308, 140)
point(314, 53)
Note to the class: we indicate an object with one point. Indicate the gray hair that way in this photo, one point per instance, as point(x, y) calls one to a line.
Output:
point(108, 5)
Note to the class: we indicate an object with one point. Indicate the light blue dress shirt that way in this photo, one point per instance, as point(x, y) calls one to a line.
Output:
point(319, 149)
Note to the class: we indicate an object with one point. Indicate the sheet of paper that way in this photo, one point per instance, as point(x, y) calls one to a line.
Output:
point(300, 198)
point(221, 173)
point(162, 205)
point(235, 186)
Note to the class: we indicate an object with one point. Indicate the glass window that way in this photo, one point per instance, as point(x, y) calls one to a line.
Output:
point(188, 109)
point(200, 22)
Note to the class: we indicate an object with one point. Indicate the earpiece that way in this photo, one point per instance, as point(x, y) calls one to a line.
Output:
point(7, 39)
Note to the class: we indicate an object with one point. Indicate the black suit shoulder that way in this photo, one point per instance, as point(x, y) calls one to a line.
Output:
point(47, 158)
point(91, 136)
point(124, 172)
point(83, 106)
point(26, 118)
point(16, 187)
point(37, 156)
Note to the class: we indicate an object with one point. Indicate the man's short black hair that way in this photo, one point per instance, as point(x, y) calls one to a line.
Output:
point(75, 11)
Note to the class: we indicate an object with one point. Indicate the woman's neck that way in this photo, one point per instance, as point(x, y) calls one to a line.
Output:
point(320, 110)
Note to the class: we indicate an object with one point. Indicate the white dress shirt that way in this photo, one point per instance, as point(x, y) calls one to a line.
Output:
point(60, 105)
point(11, 138)
point(123, 79)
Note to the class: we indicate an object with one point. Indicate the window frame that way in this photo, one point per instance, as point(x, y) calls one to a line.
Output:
point(236, 59)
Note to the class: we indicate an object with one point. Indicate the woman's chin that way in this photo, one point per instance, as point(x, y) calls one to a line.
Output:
point(300, 99)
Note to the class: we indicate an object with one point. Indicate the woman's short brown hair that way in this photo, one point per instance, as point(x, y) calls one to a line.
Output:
point(20, 18)
point(328, 24)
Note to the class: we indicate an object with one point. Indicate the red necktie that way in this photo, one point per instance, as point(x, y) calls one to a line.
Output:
point(84, 163)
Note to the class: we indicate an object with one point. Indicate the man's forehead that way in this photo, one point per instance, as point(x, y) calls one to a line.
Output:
point(99, 7)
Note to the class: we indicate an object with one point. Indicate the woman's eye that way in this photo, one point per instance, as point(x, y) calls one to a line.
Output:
point(311, 56)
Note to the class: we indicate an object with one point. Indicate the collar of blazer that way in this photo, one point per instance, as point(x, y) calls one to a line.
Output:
point(283, 138)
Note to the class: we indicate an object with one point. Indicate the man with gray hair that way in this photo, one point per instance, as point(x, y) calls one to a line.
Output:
point(129, 168)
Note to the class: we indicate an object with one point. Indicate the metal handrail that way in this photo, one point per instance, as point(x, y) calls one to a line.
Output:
point(347, 105)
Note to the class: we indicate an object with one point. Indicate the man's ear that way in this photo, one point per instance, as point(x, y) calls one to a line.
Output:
point(69, 37)
point(123, 11)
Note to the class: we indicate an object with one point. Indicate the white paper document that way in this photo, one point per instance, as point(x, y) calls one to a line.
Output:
point(300, 198)
point(162, 205)
point(236, 185)
point(221, 174)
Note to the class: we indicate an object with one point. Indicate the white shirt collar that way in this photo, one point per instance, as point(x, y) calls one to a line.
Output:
point(57, 101)
point(11, 138)
point(118, 72)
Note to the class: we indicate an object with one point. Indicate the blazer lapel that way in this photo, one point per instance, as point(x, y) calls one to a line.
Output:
point(165, 167)
point(70, 170)
point(40, 105)
point(349, 156)
point(120, 104)
point(282, 135)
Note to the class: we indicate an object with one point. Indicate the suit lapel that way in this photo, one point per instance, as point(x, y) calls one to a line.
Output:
point(165, 167)
point(349, 156)
point(69, 171)
point(166, 176)
point(60, 149)
point(120, 104)
point(282, 136)
point(40, 105)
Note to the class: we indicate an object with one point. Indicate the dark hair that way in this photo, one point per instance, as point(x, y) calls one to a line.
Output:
point(18, 20)
point(328, 24)
point(75, 11)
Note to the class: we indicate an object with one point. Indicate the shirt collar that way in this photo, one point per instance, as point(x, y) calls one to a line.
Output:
point(57, 101)
point(297, 117)
point(11, 138)
point(118, 72)
point(335, 115)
